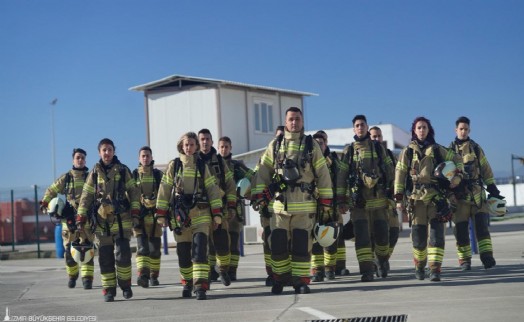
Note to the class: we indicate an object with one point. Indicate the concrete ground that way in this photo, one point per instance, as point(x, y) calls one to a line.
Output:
point(35, 290)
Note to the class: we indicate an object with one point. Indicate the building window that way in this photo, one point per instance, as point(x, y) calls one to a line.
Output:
point(264, 117)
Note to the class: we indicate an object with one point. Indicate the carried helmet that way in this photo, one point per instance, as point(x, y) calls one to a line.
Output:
point(55, 207)
point(82, 253)
point(497, 206)
point(326, 234)
point(244, 188)
point(446, 170)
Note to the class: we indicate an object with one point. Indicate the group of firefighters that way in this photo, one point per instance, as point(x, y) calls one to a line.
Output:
point(301, 190)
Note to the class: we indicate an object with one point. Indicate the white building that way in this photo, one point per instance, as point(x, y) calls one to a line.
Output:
point(248, 114)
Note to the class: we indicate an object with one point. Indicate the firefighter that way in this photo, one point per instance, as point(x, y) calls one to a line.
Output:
point(265, 216)
point(290, 175)
point(70, 184)
point(219, 251)
point(472, 198)
point(324, 259)
point(393, 221)
point(369, 170)
point(148, 231)
point(427, 202)
point(189, 189)
point(236, 222)
point(110, 201)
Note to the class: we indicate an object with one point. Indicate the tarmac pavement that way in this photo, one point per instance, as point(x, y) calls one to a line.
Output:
point(36, 290)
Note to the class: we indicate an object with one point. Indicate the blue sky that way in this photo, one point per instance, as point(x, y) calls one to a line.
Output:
point(390, 60)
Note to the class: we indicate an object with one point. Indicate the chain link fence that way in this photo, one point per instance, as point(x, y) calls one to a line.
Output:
point(21, 221)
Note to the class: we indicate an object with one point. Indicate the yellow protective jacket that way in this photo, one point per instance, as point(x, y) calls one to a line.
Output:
point(69, 184)
point(183, 182)
point(224, 180)
point(313, 171)
point(371, 158)
point(148, 182)
point(421, 169)
point(107, 186)
point(477, 170)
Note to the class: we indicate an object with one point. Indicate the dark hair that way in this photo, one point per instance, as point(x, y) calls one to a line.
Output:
point(376, 128)
point(205, 131)
point(431, 133)
point(145, 148)
point(79, 150)
point(360, 117)
point(294, 109)
point(462, 119)
point(225, 139)
point(319, 135)
point(106, 141)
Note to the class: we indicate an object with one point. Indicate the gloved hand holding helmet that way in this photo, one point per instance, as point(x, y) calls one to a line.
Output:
point(497, 205)
point(444, 213)
point(55, 207)
point(82, 252)
point(448, 171)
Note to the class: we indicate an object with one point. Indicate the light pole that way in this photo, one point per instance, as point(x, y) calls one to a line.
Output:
point(53, 103)
point(521, 159)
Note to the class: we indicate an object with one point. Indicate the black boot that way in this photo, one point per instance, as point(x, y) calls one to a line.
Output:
point(318, 276)
point(201, 294)
point(87, 283)
point(277, 287)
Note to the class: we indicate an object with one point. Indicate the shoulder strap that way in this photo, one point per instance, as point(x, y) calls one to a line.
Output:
point(135, 174)
point(67, 180)
point(222, 174)
point(436, 153)
point(158, 178)
point(276, 147)
point(177, 167)
point(348, 157)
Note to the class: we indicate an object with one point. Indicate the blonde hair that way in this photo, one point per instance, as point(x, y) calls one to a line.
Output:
point(185, 136)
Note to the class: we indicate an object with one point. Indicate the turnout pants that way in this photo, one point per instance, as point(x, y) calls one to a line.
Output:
point(114, 251)
point(431, 253)
point(479, 216)
point(148, 241)
point(371, 237)
point(72, 267)
point(291, 244)
point(192, 249)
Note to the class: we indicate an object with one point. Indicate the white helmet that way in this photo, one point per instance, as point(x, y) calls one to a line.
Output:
point(82, 253)
point(244, 187)
point(326, 234)
point(446, 170)
point(55, 207)
point(497, 206)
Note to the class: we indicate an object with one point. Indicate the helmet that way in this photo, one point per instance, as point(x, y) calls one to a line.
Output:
point(446, 170)
point(497, 206)
point(82, 253)
point(55, 207)
point(326, 234)
point(244, 187)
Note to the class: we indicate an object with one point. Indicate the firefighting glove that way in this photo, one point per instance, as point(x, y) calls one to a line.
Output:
point(326, 209)
point(43, 206)
point(217, 221)
point(136, 223)
point(493, 191)
point(80, 223)
point(231, 212)
point(161, 220)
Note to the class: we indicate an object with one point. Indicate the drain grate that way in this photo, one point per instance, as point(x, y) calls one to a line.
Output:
point(384, 318)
